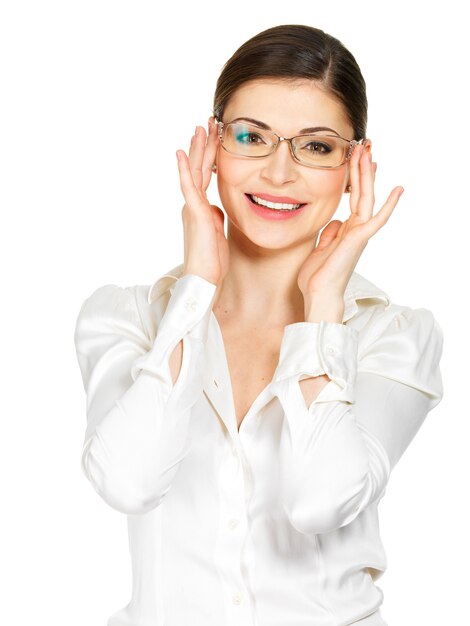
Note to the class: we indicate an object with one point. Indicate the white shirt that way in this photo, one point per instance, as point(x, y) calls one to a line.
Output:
point(274, 525)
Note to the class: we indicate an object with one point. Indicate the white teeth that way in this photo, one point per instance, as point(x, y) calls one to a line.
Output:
point(274, 205)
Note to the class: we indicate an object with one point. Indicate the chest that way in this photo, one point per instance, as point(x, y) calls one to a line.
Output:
point(252, 358)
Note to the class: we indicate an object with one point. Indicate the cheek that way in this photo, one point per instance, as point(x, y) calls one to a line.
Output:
point(330, 183)
point(232, 176)
point(231, 169)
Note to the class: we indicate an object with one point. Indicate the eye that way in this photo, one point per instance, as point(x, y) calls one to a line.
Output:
point(318, 147)
point(248, 137)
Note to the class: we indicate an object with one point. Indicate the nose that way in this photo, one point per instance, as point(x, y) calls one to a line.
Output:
point(280, 166)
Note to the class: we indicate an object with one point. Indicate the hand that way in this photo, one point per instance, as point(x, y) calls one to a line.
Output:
point(205, 244)
point(328, 268)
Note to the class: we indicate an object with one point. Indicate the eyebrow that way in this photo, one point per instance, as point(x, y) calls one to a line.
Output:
point(312, 129)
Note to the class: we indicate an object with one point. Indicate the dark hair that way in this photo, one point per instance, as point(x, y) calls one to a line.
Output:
point(292, 52)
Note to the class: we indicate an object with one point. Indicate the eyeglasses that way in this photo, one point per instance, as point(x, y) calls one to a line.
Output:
point(316, 150)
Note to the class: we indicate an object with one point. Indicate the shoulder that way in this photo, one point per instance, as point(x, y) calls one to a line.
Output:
point(398, 341)
point(110, 302)
point(134, 308)
point(372, 311)
point(110, 311)
point(109, 298)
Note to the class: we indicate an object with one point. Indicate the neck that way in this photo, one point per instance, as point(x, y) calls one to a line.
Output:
point(260, 287)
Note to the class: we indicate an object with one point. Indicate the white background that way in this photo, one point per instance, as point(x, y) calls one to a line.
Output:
point(96, 97)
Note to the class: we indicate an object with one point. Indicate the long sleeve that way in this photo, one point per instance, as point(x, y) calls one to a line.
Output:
point(337, 454)
point(137, 420)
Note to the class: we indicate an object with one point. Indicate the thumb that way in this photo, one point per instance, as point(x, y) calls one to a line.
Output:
point(218, 216)
point(328, 234)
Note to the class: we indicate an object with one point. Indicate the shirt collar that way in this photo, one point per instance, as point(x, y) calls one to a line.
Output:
point(358, 288)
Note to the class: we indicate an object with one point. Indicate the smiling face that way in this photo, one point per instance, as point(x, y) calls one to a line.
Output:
point(286, 108)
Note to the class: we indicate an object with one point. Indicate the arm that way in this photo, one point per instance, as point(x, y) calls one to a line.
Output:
point(337, 452)
point(137, 414)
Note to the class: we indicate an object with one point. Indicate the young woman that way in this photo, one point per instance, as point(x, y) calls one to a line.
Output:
point(245, 411)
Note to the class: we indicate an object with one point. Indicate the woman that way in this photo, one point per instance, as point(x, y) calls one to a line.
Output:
point(246, 410)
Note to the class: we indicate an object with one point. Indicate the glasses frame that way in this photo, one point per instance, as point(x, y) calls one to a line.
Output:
point(352, 143)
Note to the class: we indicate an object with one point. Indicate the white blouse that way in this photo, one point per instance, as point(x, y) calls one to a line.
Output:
point(275, 524)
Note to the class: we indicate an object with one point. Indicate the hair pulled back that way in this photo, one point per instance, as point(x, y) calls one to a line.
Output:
point(292, 52)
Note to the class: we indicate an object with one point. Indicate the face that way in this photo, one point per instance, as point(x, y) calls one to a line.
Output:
point(286, 108)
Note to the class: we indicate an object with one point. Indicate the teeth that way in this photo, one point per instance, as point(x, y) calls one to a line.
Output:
point(280, 206)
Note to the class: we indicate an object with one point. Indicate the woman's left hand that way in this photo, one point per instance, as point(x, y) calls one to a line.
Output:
point(327, 270)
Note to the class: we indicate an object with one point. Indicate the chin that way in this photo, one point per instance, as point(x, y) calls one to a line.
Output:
point(269, 239)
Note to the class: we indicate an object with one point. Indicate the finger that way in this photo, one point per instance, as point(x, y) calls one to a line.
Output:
point(365, 205)
point(210, 154)
point(202, 155)
point(196, 153)
point(328, 234)
point(192, 152)
point(354, 177)
point(187, 183)
point(381, 218)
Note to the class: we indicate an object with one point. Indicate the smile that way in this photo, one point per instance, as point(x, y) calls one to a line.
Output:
point(277, 206)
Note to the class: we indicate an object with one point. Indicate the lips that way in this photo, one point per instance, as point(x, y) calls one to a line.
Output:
point(270, 214)
point(271, 198)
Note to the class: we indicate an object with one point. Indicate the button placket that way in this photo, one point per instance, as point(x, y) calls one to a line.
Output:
point(232, 534)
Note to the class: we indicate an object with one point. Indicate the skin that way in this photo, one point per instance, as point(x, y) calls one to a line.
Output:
point(273, 273)
point(265, 256)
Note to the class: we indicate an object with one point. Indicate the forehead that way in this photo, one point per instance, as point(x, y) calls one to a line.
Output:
point(288, 106)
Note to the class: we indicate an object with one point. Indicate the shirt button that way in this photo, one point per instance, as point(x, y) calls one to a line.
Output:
point(234, 451)
point(237, 598)
point(191, 304)
point(330, 350)
point(233, 523)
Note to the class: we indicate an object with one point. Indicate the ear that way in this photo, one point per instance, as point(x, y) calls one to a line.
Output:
point(367, 143)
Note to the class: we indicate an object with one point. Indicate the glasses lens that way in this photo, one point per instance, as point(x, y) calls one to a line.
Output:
point(247, 140)
point(320, 150)
point(313, 150)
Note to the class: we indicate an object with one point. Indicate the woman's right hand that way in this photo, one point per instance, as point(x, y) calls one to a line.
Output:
point(205, 245)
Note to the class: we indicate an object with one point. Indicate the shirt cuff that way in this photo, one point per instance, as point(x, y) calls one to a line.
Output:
point(187, 312)
point(316, 348)
point(190, 306)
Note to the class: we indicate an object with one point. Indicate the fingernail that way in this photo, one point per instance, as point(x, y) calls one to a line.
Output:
point(402, 190)
point(178, 155)
point(195, 132)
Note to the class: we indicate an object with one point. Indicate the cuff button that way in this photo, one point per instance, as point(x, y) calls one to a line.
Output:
point(191, 304)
